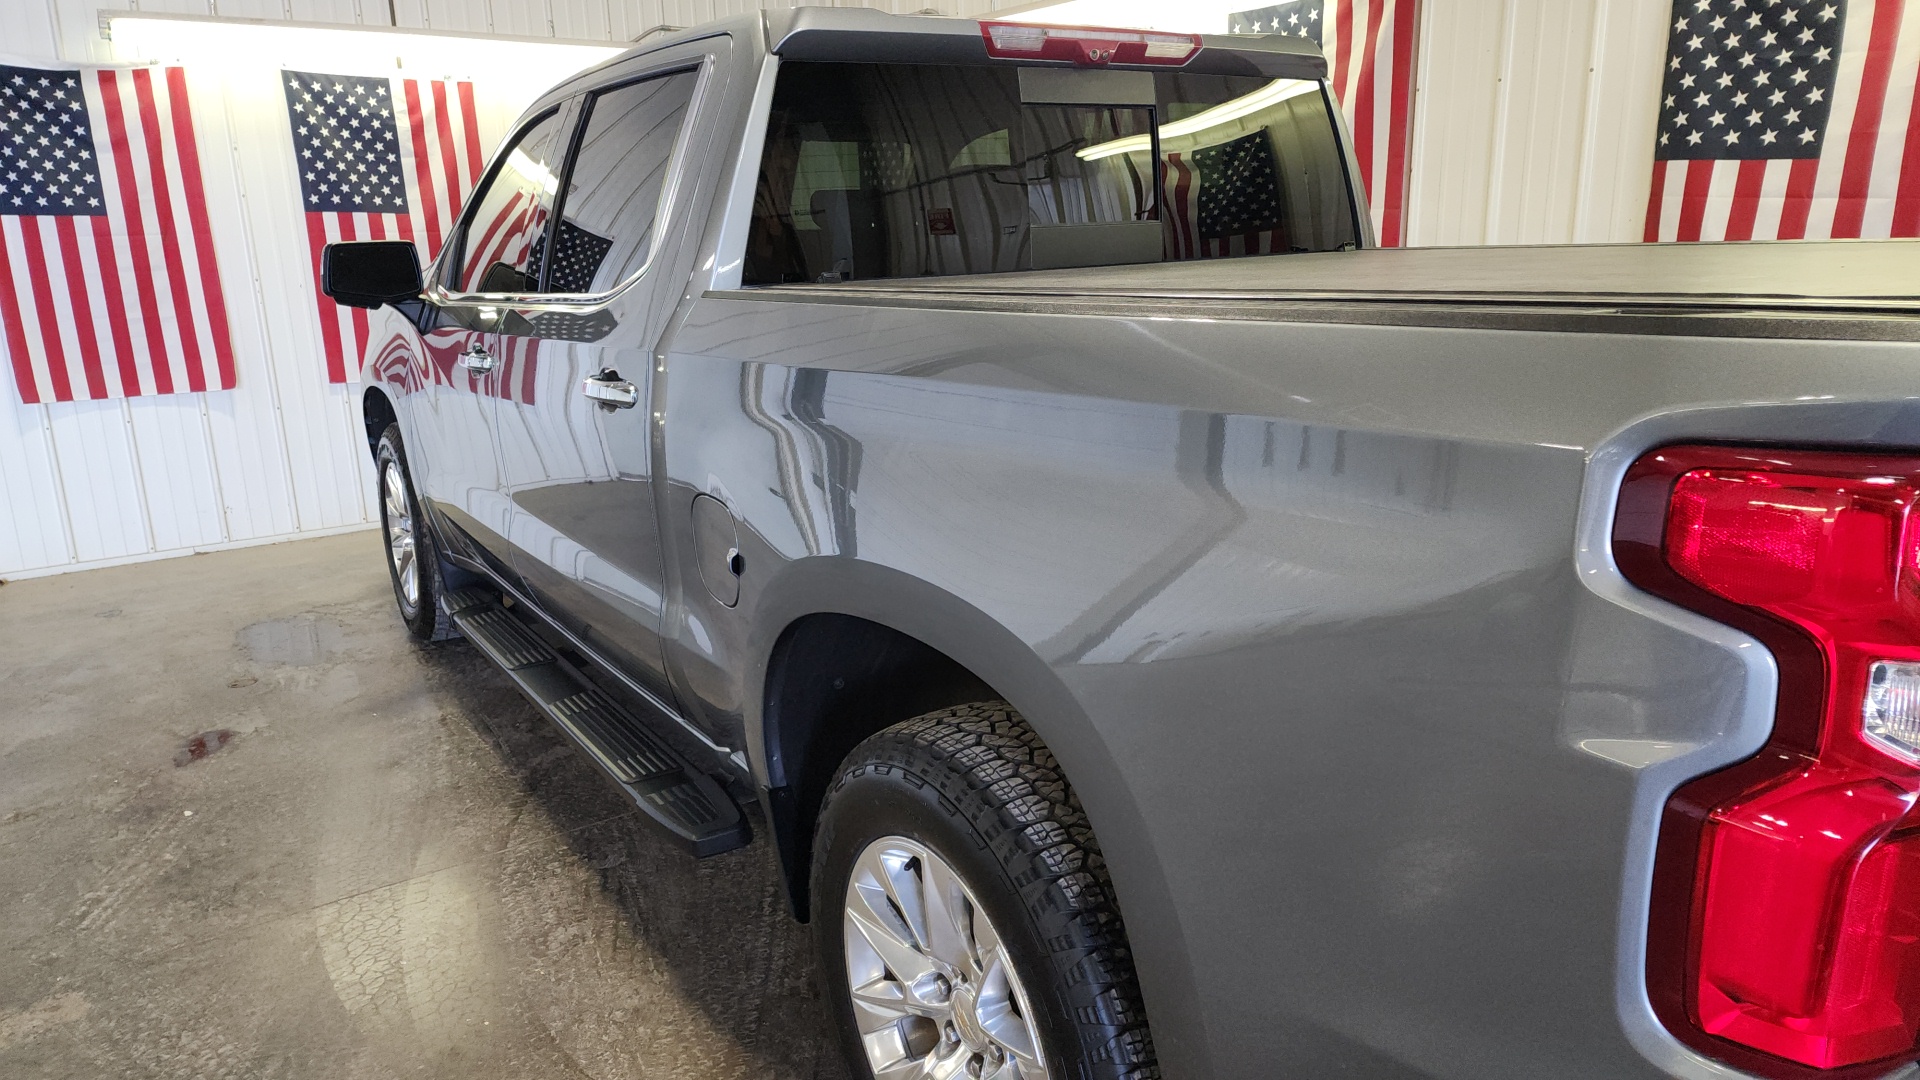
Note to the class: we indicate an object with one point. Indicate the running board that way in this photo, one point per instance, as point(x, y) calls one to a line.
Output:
point(686, 802)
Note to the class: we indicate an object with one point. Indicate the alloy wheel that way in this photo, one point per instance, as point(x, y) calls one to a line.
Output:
point(934, 993)
point(401, 550)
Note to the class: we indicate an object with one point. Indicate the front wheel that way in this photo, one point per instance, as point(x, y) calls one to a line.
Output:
point(413, 558)
point(964, 917)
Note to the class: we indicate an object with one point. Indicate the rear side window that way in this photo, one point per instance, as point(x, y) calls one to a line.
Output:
point(613, 199)
point(883, 170)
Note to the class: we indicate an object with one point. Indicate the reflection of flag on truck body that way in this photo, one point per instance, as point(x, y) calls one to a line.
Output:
point(1369, 47)
point(108, 283)
point(1225, 199)
point(513, 379)
point(376, 163)
point(1787, 120)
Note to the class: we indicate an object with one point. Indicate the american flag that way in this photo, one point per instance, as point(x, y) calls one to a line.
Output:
point(377, 161)
point(577, 256)
point(1226, 199)
point(1787, 119)
point(108, 282)
point(1369, 47)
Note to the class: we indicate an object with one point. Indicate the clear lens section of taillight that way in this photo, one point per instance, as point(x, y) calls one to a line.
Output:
point(1804, 912)
point(1892, 714)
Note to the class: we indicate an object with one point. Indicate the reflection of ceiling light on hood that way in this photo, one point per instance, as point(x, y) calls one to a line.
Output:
point(1266, 97)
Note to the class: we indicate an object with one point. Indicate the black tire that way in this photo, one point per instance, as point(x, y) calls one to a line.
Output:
point(425, 616)
point(976, 785)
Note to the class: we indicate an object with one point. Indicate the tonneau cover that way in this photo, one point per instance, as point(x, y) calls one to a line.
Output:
point(1841, 274)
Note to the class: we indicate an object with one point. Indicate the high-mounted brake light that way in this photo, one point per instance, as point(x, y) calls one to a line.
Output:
point(1786, 916)
point(1087, 45)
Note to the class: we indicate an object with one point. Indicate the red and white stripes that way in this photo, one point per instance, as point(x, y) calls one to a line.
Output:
point(1183, 196)
point(1865, 184)
point(127, 302)
point(1370, 55)
point(440, 142)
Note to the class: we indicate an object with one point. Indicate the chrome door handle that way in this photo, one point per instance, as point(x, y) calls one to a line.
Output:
point(477, 360)
point(609, 389)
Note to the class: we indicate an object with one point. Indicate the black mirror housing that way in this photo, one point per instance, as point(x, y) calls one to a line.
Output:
point(370, 273)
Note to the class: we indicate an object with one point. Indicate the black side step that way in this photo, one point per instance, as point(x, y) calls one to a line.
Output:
point(683, 800)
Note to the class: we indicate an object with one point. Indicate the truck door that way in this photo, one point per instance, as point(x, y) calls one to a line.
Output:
point(575, 417)
point(493, 252)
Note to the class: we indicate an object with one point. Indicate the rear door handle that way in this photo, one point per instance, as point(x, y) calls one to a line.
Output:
point(477, 359)
point(609, 389)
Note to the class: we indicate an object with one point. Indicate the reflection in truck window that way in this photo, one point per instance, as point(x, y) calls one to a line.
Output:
point(878, 171)
point(616, 182)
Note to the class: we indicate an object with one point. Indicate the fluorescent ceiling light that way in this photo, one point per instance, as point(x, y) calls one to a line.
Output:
point(1264, 98)
point(208, 42)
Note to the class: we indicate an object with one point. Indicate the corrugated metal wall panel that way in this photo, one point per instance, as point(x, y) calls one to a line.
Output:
point(1630, 43)
point(27, 29)
point(1534, 122)
point(372, 12)
point(173, 450)
point(583, 20)
point(99, 481)
point(1462, 49)
point(242, 9)
point(33, 531)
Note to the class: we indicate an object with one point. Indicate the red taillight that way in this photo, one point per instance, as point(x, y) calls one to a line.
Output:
point(1087, 45)
point(1786, 914)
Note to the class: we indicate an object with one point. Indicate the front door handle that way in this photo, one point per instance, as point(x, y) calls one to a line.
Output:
point(609, 389)
point(477, 359)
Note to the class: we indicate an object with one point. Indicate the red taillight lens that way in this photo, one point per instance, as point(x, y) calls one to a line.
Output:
point(1087, 45)
point(1787, 907)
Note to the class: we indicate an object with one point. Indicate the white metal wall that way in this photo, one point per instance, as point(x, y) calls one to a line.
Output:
point(1535, 120)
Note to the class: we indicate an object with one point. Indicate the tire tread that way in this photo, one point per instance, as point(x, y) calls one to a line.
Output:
point(987, 762)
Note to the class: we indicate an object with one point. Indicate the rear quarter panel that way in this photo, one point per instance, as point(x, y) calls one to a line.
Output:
point(1300, 608)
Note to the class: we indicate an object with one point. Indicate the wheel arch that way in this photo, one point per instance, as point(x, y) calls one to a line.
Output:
point(376, 412)
point(822, 618)
point(966, 650)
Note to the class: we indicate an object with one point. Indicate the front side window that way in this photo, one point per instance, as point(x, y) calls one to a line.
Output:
point(614, 188)
point(880, 170)
point(499, 250)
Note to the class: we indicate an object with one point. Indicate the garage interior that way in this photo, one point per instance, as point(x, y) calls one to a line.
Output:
point(249, 829)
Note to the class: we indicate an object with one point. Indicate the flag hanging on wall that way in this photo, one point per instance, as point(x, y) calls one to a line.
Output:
point(108, 282)
point(1369, 48)
point(378, 159)
point(1788, 119)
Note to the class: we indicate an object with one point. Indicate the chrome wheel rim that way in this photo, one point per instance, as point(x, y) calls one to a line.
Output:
point(400, 545)
point(934, 993)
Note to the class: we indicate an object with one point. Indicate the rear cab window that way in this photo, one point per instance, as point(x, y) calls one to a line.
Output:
point(908, 170)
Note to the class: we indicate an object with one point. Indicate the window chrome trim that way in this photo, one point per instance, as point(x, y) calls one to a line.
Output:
point(585, 303)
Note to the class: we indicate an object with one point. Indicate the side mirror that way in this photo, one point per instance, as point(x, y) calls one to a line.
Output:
point(370, 273)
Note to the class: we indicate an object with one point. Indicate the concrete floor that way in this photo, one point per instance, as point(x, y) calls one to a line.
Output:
point(393, 866)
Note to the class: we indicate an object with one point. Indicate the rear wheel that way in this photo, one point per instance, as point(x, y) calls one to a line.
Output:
point(413, 558)
point(965, 921)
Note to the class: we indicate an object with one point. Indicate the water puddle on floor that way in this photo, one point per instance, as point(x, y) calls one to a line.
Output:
point(300, 641)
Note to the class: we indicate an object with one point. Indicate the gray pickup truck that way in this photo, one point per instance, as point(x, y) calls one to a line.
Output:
point(1160, 633)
